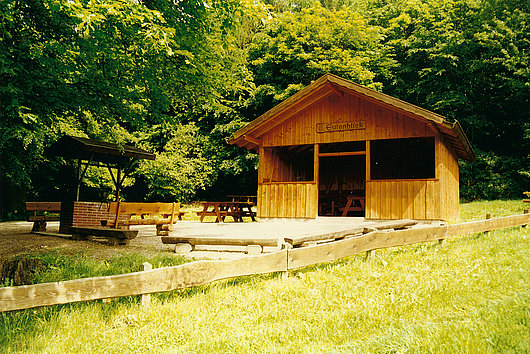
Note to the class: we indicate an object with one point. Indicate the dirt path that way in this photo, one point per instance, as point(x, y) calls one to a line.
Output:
point(16, 239)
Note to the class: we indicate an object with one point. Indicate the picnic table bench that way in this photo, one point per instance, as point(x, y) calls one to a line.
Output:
point(163, 215)
point(244, 198)
point(236, 210)
point(528, 195)
point(39, 221)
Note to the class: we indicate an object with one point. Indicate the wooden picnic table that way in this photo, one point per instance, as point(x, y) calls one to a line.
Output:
point(350, 205)
point(528, 195)
point(237, 210)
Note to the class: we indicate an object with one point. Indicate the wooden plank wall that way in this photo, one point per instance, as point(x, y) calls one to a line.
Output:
point(447, 173)
point(381, 123)
point(429, 199)
point(436, 199)
point(402, 199)
point(287, 200)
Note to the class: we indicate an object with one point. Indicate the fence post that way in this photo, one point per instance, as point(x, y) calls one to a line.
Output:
point(369, 255)
point(146, 298)
point(285, 245)
point(488, 216)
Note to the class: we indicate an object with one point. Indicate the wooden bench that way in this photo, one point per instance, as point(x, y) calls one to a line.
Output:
point(114, 237)
point(39, 221)
point(528, 195)
point(163, 215)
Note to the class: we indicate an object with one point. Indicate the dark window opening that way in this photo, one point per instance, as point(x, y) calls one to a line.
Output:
point(290, 164)
point(348, 146)
point(402, 158)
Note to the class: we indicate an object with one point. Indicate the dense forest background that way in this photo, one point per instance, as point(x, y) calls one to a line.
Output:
point(179, 77)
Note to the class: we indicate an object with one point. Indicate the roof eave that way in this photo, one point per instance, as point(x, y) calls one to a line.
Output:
point(457, 128)
point(238, 138)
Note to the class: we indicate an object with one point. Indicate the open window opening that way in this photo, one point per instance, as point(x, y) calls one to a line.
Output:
point(289, 164)
point(348, 146)
point(411, 158)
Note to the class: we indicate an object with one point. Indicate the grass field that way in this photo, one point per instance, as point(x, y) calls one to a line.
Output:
point(471, 294)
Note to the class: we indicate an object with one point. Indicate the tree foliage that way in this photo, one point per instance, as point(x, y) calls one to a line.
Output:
point(468, 60)
point(295, 48)
point(178, 77)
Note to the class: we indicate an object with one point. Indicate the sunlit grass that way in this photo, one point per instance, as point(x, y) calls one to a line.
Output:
point(471, 294)
point(477, 210)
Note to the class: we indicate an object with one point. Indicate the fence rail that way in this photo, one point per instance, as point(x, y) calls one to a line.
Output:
point(202, 272)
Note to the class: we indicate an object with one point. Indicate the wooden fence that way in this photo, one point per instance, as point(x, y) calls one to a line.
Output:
point(202, 272)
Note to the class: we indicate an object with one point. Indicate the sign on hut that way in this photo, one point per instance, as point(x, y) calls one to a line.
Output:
point(337, 148)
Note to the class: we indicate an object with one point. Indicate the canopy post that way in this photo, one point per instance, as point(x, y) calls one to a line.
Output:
point(118, 183)
point(78, 180)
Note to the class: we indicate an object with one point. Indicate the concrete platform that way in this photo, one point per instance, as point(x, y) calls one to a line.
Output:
point(148, 242)
point(270, 234)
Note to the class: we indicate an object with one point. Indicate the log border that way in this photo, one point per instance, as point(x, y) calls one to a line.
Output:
point(203, 272)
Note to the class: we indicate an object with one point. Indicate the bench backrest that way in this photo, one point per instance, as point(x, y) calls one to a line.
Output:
point(43, 206)
point(144, 208)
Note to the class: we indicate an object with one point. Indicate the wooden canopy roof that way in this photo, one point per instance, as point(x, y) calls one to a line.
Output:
point(250, 135)
point(97, 151)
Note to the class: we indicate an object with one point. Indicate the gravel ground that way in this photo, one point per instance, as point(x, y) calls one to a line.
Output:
point(16, 239)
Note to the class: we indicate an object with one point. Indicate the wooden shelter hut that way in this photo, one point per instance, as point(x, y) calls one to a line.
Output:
point(339, 148)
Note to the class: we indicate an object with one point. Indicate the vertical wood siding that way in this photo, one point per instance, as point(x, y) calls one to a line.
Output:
point(287, 200)
point(403, 199)
point(447, 172)
point(434, 199)
point(381, 123)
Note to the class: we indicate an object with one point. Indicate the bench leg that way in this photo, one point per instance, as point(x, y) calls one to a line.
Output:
point(162, 230)
point(183, 248)
point(254, 249)
point(79, 237)
point(113, 241)
point(39, 226)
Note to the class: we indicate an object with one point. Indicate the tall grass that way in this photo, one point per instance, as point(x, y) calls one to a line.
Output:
point(471, 294)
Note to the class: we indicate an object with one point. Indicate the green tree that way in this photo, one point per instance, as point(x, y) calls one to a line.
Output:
point(467, 60)
point(297, 47)
point(106, 70)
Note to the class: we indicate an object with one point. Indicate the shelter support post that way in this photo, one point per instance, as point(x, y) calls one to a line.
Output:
point(78, 180)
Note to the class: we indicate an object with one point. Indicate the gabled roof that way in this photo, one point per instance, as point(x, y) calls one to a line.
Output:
point(249, 136)
point(96, 151)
